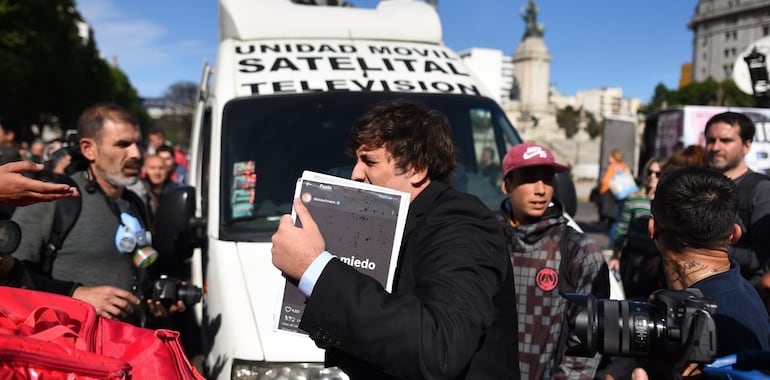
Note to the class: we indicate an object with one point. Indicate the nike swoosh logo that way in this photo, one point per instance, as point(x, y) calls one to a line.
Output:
point(528, 155)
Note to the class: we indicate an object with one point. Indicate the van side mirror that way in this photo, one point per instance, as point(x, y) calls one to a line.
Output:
point(176, 228)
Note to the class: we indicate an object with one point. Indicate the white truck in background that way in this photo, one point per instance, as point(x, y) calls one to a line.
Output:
point(669, 129)
point(288, 82)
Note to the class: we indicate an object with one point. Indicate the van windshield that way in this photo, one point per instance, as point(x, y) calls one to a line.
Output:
point(268, 141)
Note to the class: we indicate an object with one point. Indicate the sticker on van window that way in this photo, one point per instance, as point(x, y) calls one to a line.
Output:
point(244, 182)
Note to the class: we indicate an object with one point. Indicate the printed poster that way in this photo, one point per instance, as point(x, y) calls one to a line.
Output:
point(362, 226)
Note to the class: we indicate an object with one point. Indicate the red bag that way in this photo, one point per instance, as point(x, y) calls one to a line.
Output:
point(48, 336)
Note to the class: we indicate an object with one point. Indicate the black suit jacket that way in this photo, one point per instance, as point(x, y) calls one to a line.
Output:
point(452, 314)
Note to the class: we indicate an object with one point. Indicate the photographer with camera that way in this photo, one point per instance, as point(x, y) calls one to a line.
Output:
point(694, 214)
point(101, 254)
point(693, 222)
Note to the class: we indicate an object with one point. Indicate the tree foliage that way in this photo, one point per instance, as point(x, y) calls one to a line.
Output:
point(180, 98)
point(568, 119)
point(48, 70)
point(706, 93)
point(182, 94)
point(594, 127)
point(571, 120)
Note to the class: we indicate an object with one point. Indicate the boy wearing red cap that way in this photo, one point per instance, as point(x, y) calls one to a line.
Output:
point(539, 239)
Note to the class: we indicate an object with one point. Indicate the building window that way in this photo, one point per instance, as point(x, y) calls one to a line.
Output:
point(735, 34)
point(705, 42)
point(727, 53)
point(765, 30)
point(734, 52)
point(727, 36)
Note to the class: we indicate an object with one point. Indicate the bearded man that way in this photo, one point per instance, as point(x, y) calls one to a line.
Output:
point(103, 258)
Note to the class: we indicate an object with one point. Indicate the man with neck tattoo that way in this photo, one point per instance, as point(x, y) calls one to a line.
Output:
point(693, 222)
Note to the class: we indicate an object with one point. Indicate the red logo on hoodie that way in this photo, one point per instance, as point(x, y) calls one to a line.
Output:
point(547, 279)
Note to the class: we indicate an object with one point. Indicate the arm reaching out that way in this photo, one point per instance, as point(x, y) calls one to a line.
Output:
point(18, 190)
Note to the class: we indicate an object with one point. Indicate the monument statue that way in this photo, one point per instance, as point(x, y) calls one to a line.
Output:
point(529, 14)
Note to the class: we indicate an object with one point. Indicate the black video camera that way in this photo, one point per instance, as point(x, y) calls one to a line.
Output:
point(678, 324)
point(71, 145)
point(168, 290)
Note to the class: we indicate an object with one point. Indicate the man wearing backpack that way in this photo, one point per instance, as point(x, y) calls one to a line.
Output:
point(549, 258)
point(97, 249)
point(728, 140)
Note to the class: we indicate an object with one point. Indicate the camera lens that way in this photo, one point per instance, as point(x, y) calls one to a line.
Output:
point(189, 294)
point(10, 235)
point(630, 328)
point(623, 328)
point(678, 324)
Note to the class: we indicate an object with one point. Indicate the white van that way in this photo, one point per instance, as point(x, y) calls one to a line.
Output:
point(288, 83)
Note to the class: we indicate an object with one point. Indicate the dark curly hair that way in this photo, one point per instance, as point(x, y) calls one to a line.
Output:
point(415, 136)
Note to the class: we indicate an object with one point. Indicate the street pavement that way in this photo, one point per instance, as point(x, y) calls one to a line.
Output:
point(588, 219)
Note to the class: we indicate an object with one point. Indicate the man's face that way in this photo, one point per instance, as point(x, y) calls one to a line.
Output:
point(168, 160)
point(378, 167)
point(724, 147)
point(155, 170)
point(37, 148)
point(155, 140)
point(117, 157)
point(530, 190)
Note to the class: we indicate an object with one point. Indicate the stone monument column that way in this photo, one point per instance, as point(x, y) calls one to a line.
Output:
point(532, 64)
point(535, 116)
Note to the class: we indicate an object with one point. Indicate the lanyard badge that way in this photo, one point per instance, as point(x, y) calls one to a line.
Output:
point(132, 238)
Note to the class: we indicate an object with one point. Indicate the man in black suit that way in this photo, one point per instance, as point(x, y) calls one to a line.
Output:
point(452, 312)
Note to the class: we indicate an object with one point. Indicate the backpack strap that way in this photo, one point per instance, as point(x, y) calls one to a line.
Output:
point(65, 215)
point(745, 199)
point(141, 208)
point(565, 286)
point(565, 283)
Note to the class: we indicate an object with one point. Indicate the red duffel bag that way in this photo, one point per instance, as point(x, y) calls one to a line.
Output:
point(49, 336)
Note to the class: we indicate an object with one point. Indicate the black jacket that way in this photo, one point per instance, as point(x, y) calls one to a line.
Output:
point(452, 314)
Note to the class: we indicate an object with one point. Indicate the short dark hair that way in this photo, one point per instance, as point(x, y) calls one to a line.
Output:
point(156, 131)
point(92, 120)
point(696, 207)
point(415, 136)
point(165, 148)
point(734, 118)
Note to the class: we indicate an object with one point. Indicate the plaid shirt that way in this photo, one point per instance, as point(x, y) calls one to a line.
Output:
point(535, 251)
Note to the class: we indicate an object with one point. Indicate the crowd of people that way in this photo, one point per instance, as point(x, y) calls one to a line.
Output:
point(478, 293)
point(95, 246)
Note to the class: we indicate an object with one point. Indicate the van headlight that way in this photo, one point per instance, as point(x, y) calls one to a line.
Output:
point(247, 370)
